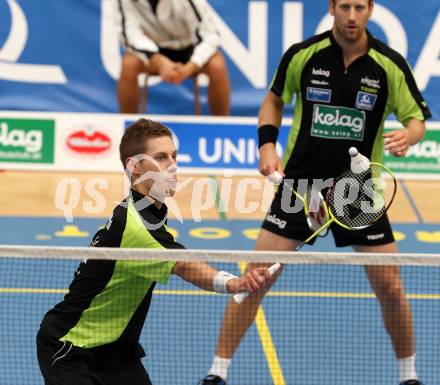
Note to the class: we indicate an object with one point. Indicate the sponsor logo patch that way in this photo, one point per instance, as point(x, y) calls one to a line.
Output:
point(276, 221)
point(319, 94)
point(373, 237)
point(321, 72)
point(365, 101)
point(319, 82)
point(374, 83)
point(334, 122)
point(369, 90)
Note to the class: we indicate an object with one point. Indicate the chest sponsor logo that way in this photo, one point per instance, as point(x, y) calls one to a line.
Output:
point(365, 101)
point(319, 82)
point(333, 122)
point(374, 83)
point(320, 72)
point(369, 90)
point(319, 94)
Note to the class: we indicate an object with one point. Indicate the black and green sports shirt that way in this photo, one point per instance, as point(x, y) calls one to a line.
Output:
point(337, 108)
point(108, 301)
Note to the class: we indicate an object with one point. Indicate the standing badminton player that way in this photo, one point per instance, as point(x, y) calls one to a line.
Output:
point(346, 84)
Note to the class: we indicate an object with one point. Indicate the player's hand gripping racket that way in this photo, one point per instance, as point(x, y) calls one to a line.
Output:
point(358, 198)
point(315, 210)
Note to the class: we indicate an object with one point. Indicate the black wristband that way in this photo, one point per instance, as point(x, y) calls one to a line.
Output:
point(267, 133)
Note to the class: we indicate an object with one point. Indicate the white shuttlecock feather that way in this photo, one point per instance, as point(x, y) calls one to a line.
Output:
point(359, 163)
point(275, 178)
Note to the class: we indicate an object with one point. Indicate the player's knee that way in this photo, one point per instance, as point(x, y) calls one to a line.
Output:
point(390, 293)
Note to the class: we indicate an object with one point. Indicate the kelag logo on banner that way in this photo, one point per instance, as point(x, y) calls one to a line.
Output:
point(26, 140)
point(423, 157)
point(234, 145)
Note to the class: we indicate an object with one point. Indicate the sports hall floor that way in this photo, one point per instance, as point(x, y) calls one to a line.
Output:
point(319, 325)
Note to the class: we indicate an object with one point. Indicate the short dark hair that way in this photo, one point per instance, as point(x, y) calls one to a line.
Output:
point(369, 2)
point(135, 136)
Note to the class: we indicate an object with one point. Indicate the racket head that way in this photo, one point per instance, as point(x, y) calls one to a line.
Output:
point(357, 200)
point(316, 211)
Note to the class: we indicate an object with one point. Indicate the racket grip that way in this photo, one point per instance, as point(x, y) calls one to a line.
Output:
point(275, 178)
point(240, 297)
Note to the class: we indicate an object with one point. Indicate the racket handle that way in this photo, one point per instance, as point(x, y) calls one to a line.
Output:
point(240, 297)
point(275, 178)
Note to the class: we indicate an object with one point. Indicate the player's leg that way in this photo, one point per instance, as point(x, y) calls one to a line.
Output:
point(396, 312)
point(282, 230)
point(219, 88)
point(238, 317)
point(128, 372)
point(388, 287)
point(127, 88)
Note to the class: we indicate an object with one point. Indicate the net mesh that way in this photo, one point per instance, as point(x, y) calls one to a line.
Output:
point(319, 322)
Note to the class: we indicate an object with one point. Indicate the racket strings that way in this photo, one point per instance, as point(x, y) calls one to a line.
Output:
point(358, 199)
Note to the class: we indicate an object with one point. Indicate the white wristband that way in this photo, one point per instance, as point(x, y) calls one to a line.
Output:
point(220, 280)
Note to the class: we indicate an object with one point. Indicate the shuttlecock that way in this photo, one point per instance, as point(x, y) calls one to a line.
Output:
point(275, 177)
point(359, 163)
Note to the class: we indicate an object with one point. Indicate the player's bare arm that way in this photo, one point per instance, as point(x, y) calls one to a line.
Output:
point(397, 142)
point(204, 276)
point(270, 114)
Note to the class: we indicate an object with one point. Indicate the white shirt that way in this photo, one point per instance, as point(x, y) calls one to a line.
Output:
point(175, 24)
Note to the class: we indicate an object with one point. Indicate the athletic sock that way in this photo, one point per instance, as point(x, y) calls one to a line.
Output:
point(220, 367)
point(407, 368)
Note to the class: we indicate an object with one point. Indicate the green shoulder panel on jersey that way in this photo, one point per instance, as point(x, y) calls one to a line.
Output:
point(137, 235)
point(294, 131)
point(112, 310)
point(286, 81)
point(405, 99)
point(114, 306)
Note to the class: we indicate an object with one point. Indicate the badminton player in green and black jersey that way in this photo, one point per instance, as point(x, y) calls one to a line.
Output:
point(346, 83)
point(92, 336)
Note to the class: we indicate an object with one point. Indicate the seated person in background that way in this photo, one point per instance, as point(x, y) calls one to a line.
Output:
point(92, 336)
point(175, 40)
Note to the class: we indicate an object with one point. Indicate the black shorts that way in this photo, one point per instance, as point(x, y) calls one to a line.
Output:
point(64, 364)
point(294, 226)
point(180, 56)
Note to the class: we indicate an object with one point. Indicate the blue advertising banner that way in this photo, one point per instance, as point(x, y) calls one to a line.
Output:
point(89, 142)
point(65, 56)
point(218, 145)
